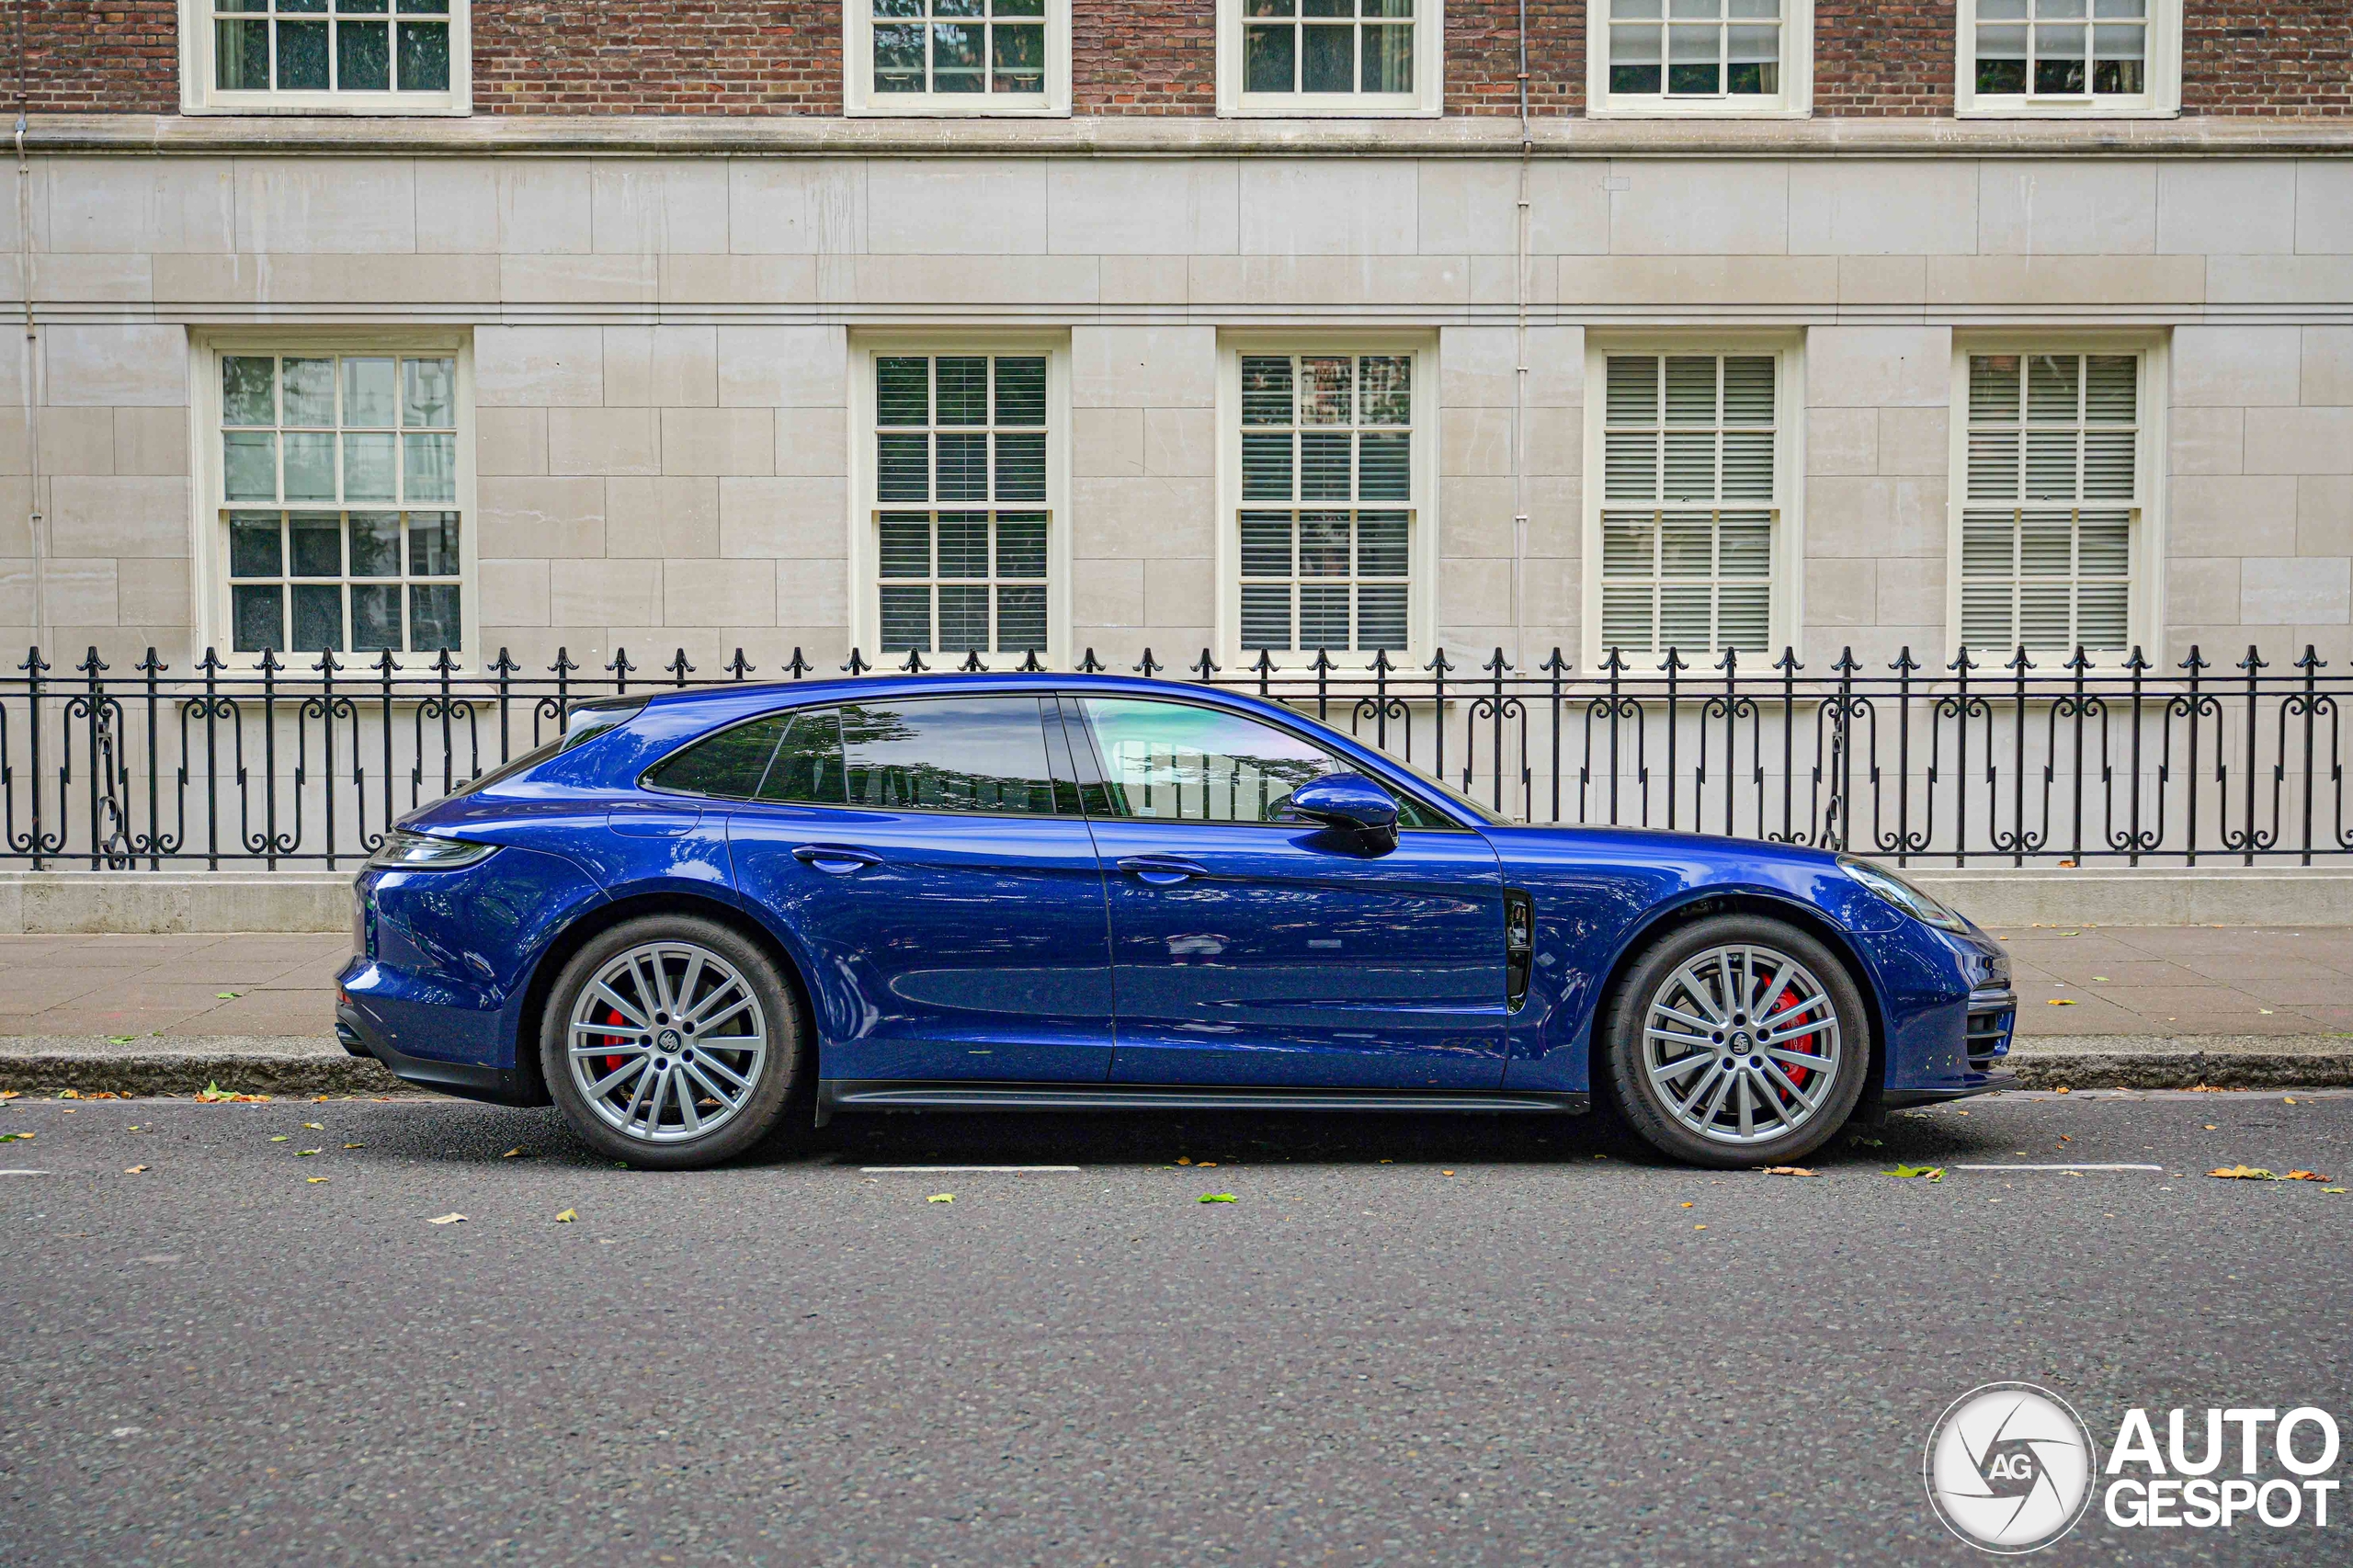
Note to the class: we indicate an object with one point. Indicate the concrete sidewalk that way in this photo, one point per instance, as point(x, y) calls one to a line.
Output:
point(2099, 1006)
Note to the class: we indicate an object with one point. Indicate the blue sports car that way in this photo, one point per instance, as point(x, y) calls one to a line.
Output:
point(704, 918)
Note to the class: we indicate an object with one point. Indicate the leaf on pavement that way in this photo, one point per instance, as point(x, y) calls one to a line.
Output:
point(516, 1153)
point(213, 1094)
point(11, 1094)
point(1183, 1161)
point(225, 995)
point(566, 1218)
point(2062, 1001)
point(283, 1138)
point(315, 1180)
point(2332, 1189)
point(2303, 1176)
point(355, 1145)
point(2243, 1173)
point(304, 1153)
point(446, 1220)
point(134, 1170)
point(941, 1198)
point(1789, 1170)
point(1934, 1173)
point(121, 1039)
point(315, 1127)
point(1217, 1197)
point(16, 1137)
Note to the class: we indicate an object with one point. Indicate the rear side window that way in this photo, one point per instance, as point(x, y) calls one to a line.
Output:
point(978, 753)
point(729, 764)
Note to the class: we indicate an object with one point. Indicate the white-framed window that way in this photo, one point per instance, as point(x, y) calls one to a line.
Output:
point(956, 57)
point(1700, 57)
point(1330, 57)
point(1326, 468)
point(1691, 532)
point(2056, 493)
point(960, 543)
point(335, 510)
point(326, 56)
point(2068, 57)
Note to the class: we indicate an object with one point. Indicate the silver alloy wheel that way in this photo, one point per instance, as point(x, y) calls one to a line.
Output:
point(667, 1042)
point(1742, 1044)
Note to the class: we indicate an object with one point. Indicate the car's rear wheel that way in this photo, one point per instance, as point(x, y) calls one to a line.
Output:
point(671, 1042)
point(1738, 1040)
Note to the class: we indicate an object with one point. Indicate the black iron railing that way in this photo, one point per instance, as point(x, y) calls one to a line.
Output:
point(1969, 762)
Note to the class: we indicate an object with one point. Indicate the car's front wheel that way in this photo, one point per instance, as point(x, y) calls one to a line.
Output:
point(671, 1042)
point(1738, 1040)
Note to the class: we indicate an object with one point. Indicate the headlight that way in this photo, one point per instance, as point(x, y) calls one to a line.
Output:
point(1921, 906)
point(423, 852)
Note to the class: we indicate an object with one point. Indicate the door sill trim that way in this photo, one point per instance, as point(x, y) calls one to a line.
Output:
point(906, 1094)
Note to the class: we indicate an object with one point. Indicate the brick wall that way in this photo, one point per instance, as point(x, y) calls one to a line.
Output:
point(1132, 58)
point(2268, 57)
point(1483, 56)
point(722, 57)
point(1883, 57)
point(94, 56)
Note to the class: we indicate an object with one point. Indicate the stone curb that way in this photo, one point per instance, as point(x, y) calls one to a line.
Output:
point(296, 1065)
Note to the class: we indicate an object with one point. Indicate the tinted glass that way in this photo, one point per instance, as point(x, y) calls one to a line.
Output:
point(1174, 761)
point(808, 766)
point(729, 764)
point(983, 754)
point(588, 720)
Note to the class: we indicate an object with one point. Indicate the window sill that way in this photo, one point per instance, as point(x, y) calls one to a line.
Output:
point(1313, 108)
point(333, 106)
point(1697, 111)
point(2025, 109)
point(922, 109)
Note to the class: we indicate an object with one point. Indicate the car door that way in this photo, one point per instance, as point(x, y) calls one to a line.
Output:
point(944, 889)
point(1247, 949)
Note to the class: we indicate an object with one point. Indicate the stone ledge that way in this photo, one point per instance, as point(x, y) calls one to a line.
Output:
point(2006, 900)
point(2218, 1061)
point(174, 903)
point(1198, 136)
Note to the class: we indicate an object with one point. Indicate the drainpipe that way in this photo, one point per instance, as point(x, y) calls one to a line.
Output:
point(1519, 373)
point(35, 525)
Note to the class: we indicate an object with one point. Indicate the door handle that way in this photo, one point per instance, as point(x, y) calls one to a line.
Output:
point(1161, 870)
point(836, 859)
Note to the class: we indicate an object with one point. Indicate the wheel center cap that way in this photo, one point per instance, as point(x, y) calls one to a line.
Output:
point(1740, 1045)
point(667, 1039)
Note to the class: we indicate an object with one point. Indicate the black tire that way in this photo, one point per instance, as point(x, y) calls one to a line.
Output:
point(1649, 1105)
point(778, 1071)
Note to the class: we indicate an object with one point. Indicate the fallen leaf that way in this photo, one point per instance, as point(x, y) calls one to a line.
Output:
point(213, 1094)
point(134, 1170)
point(512, 1155)
point(2061, 1089)
point(2291, 1099)
point(2265, 1011)
point(1687, 1206)
point(10, 1093)
point(2303, 1176)
point(16, 1137)
point(1789, 1170)
point(283, 1138)
point(1217, 1197)
point(69, 1094)
point(1206, 1166)
point(355, 1145)
point(2101, 978)
point(121, 1039)
point(2065, 1139)
point(2332, 1189)
point(2243, 1173)
point(2212, 1127)
point(446, 1220)
point(315, 1180)
point(1183, 1161)
point(304, 1153)
point(941, 1198)
point(1698, 1227)
point(314, 1126)
point(566, 1217)
point(2062, 1001)
point(226, 996)
point(1934, 1173)
point(1446, 1172)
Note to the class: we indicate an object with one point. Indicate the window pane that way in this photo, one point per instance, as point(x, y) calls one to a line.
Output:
point(1323, 465)
point(433, 544)
point(902, 390)
point(248, 389)
point(249, 465)
point(730, 764)
point(963, 618)
point(964, 467)
point(425, 56)
point(241, 56)
point(1323, 616)
point(433, 616)
point(254, 545)
point(1388, 59)
point(318, 617)
point(428, 394)
point(1270, 61)
point(1266, 390)
point(310, 465)
point(1381, 617)
point(368, 393)
point(1381, 544)
point(310, 392)
point(1386, 466)
point(375, 545)
point(1328, 389)
point(429, 468)
point(363, 57)
point(1634, 59)
point(1021, 620)
point(1021, 390)
point(259, 614)
point(376, 617)
point(1266, 546)
point(1385, 384)
point(318, 545)
point(1324, 544)
point(963, 390)
point(1021, 547)
point(898, 58)
point(955, 754)
point(1019, 58)
point(1325, 59)
point(303, 57)
point(903, 466)
point(1021, 466)
point(907, 618)
point(1172, 760)
point(1265, 467)
point(1265, 616)
point(808, 765)
point(368, 473)
point(906, 546)
point(964, 544)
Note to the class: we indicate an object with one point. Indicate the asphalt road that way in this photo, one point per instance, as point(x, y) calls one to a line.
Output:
point(1450, 1342)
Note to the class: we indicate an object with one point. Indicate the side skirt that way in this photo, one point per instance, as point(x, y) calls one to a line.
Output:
point(901, 1094)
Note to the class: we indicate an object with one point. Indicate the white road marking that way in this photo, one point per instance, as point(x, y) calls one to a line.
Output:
point(23, 1173)
point(2055, 1167)
point(941, 1170)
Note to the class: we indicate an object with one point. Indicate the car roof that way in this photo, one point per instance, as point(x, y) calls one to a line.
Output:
point(751, 696)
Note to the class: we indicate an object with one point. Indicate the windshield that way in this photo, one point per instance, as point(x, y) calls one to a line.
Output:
point(1484, 813)
point(589, 719)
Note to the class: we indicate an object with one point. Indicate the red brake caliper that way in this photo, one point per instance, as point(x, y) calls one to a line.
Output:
point(612, 1016)
point(1798, 1076)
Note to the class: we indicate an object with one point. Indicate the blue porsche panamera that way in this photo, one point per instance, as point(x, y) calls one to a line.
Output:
point(705, 918)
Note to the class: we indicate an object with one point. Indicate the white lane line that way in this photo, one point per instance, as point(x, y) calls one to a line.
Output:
point(963, 1170)
point(23, 1173)
point(2056, 1167)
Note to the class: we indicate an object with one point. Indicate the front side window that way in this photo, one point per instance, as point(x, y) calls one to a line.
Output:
point(373, 56)
point(1328, 486)
point(958, 56)
point(1691, 503)
point(1175, 762)
point(2069, 56)
point(1703, 57)
point(1328, 56)
point(960, 486)
point(338, 495)
point(2051, 502)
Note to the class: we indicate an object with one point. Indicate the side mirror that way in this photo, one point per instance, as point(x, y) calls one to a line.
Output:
point(1348, 801)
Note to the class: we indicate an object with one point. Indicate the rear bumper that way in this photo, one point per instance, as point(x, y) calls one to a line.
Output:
point(498, 1085)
